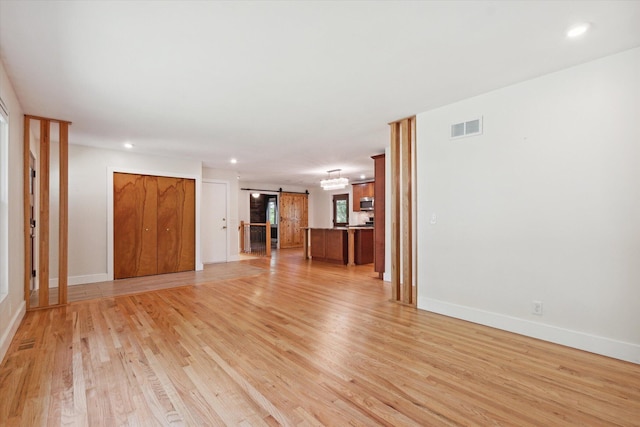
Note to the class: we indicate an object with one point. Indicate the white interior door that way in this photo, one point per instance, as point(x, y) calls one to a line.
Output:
point(213, 222)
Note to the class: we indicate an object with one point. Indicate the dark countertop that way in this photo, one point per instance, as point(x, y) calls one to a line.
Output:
point(357, 227)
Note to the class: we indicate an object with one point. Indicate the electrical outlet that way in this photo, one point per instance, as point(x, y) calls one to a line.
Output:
point(537, 308)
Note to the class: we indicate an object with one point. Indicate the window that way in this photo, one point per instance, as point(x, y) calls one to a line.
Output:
point(340, 210)
point(4, 201)
point(272, 216)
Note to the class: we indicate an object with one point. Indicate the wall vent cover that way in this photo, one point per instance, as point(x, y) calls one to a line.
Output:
point(468, 128)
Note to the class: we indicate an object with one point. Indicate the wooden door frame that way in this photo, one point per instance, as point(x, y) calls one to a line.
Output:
point(115, 169)
point(227, 201)
point(334, 199)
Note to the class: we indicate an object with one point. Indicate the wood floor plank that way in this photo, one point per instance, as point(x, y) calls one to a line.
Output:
point(292, 342)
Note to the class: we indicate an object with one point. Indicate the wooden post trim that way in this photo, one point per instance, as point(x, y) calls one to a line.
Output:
point(402, 171)
point(63, 223)
point(268, 239)
point(351, 247)
point(395, 212)
point(47, 119)
point(241, 237)
point(407, 224)
point(305, 243)
point(27, 211)
point(43, 223)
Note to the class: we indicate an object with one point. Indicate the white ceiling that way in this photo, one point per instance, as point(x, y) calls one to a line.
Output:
point(290, 89)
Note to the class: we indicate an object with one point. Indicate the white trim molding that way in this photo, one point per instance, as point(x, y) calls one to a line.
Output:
point(80, 280)
point(592, 343)
point(11, 329)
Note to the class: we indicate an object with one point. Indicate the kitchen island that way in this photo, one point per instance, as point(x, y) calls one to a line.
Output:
point(340, 245)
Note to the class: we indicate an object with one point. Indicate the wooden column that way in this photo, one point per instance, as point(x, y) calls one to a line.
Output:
point(63, 223)
point(267, 243)
point(305, 242)
point(395, 211)
point(351, 247)
point(27, 210)
point(380, 216)
point(407, 210)
point(241, 237)
point(43, 219)
point(402, 136)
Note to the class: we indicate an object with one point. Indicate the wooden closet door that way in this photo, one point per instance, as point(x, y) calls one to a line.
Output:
point(176, 225)
point(135, 200)
point(294, 213)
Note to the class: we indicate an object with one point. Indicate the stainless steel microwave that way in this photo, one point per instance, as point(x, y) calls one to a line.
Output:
point(366, 204)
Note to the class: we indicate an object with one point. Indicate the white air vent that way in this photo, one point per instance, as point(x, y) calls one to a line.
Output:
point(468, 128)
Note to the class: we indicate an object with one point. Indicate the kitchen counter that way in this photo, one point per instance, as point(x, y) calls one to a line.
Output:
point(351, 245)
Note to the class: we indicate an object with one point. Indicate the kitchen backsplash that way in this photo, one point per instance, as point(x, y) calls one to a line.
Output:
point(358, 218)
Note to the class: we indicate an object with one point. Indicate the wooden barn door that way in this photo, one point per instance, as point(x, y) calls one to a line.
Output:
point(153, 225)
point(294, 213)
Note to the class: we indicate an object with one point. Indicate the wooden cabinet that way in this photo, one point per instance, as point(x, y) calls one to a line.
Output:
point(153, 225)
point(363, 242)
point(378, 212)
point(332, 245)
point(365, 189)
point(329, 245)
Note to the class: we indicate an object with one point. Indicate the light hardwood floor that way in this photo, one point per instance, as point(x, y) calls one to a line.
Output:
point(302, 343)
point(211, 273)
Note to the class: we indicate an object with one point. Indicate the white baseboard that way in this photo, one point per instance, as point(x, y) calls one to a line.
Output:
point(92, 278)
point(9, 333)
point(595, 344)
point(80, 280)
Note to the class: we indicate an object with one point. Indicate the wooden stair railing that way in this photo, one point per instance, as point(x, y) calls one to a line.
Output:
point(257, 242)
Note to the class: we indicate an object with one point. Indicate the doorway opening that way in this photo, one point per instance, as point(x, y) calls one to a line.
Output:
point(263, 208)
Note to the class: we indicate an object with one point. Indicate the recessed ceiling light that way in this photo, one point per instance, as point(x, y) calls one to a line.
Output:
point(578, 30)
point(234, 161)
point(361, 176)
point(128, 145)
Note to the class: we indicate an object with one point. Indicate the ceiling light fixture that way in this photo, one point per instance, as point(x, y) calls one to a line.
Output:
point(578, 30)
point(362, 176)
point(128, 145)
point(337, 183)
point(255, 195)
point(234, 161)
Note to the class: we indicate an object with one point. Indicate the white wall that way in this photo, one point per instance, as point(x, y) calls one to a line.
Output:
point(545, 206)
point(91, 204)
point(323, 207)
point(12, 306)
